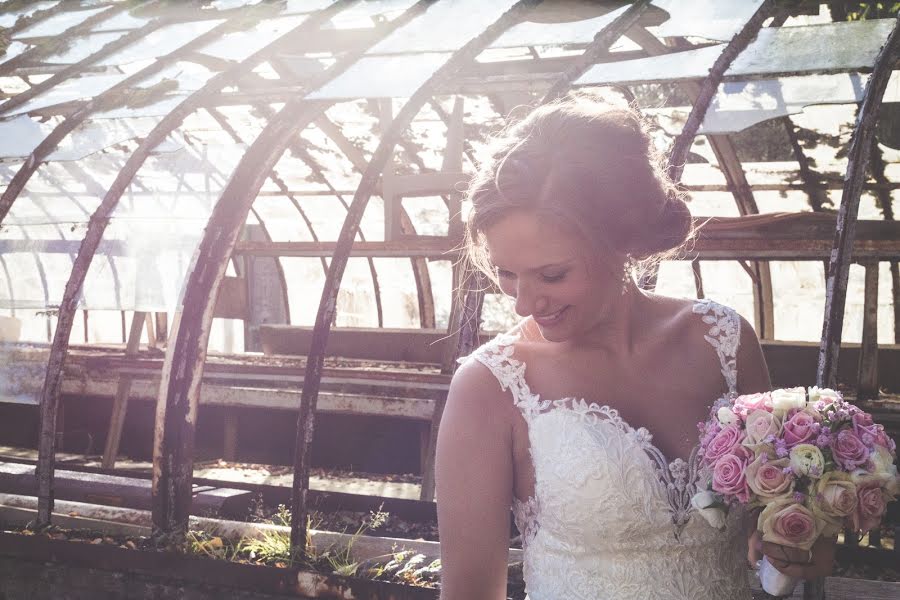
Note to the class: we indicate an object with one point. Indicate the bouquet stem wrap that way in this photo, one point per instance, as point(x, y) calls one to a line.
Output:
point(773, 581)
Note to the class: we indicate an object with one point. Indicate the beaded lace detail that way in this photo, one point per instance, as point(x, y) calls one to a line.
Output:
point(611, 516)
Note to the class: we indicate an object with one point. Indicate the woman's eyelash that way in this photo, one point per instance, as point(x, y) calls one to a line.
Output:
point(554, 278)
point(505, 274)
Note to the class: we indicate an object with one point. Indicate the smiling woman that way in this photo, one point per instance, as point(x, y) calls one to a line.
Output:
point(594, 445)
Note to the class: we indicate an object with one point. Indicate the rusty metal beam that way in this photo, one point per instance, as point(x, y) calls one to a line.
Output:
point(180, 384)
point(327, 305)
point(857, 161)
point(81, 264)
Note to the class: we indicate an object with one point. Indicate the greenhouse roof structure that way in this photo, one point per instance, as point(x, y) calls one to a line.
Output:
point(215, 169)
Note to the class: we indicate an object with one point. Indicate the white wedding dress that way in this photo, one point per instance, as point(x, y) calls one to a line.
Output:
point(611, 518)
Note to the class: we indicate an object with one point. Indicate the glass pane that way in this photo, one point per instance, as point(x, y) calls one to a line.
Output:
point(383, 77)
point(710, 19)
point(239, 45)
point(58, 23)
point(444, 26)
point(160, 42)
point(547, 34)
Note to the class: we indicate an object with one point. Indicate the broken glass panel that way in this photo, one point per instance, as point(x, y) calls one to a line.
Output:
point(444, 26)
point(122, 20)
point(710, 19)
point(86, 86)
point(546, 34)
point(828, 48)
point(13, 50)
point(8, 19)
point(160, 42)
point(383, 76)
point(58, 23)
point(83, 47)
point(740, 104)
point(239, 45)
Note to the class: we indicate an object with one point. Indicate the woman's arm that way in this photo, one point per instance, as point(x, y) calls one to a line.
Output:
point(474, 480)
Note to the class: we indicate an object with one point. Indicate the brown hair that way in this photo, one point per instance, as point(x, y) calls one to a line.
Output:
point(590, 165)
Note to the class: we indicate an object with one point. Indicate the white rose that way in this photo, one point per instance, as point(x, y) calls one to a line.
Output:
point(827, 395)
point(710, 508)
point(808, 460)
point(785, 399)
point(886, 470)
point(726, 416)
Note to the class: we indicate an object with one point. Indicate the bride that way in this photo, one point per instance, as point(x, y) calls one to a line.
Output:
point(583, 418)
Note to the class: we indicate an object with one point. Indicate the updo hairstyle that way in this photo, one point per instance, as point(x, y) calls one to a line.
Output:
point(589, 165)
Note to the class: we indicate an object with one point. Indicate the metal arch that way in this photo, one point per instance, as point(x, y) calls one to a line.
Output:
point(103, 101)
point(90, 242)
point(183, 369)
point(224, 124)
point(41, 51)
point(328, 303)
point(857, 160)
point(303, 154)
point(730, 165)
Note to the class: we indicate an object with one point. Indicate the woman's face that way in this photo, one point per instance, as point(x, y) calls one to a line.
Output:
point(550, 272)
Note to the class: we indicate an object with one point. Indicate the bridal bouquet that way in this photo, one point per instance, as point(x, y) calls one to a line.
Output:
point(815, 464)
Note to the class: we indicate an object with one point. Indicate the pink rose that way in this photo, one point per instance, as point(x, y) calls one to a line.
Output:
point(755, 402)
point(724, 441)
point(848, 450)
point(767, 478)
point(729, 475)
point(761, 424)
point(788, 523)
point(870, 508)
point(863, 424)
point(800, 429)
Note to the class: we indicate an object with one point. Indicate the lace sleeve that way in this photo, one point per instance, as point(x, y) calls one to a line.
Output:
point(724, 335)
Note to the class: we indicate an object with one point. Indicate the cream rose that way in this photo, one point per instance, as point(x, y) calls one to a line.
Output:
point(807, 460)
point(833, 500)
point(785, 399)
point(707, 504)
point(788, 523)
point(827, 395)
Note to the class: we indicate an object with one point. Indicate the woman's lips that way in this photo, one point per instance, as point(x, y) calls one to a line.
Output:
point(551, 318)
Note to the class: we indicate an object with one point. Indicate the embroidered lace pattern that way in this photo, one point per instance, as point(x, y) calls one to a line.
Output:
point(611, 516)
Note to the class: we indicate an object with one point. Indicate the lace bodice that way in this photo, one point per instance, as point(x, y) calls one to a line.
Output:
point(611, 517)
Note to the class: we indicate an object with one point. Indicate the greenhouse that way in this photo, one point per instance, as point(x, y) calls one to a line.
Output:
point(232, 243)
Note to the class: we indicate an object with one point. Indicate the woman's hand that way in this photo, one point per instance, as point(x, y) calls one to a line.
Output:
point(795, 562)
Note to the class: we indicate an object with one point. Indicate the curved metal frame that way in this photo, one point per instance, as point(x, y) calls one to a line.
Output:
point(328, 304)
point(92, 238)
point(183, 368)
point(841, 253)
